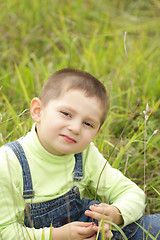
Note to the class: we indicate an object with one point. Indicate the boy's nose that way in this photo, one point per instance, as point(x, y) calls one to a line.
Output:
point(75, 127)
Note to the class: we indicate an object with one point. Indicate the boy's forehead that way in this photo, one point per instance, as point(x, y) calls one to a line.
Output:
point(72, 95)
point(80, 93)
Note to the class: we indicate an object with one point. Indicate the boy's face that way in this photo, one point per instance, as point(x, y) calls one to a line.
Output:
point(68, 124)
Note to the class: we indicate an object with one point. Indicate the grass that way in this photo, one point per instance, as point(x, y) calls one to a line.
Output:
point(118, 42)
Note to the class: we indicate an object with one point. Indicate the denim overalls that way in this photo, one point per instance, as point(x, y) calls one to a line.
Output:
point(62, 210)
point(59, 211)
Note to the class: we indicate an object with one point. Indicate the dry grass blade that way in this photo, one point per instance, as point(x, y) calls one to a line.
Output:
point(114, 149)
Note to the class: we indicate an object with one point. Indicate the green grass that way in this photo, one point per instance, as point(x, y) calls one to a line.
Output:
point(39, 37)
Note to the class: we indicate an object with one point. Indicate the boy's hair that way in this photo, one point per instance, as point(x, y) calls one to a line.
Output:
point(68, 79)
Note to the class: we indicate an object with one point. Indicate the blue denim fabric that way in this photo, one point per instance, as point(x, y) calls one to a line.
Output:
point(78, 168)
point(129, 230)
point(70, 207)
point(133, 231)
point(67, 208)
point(27, 180)
point(62, 210)
point(150, 223)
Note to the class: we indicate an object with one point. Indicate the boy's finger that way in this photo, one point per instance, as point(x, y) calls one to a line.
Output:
point(92, 238)
point(109, 234)
point(87, 232)
point(84, 224)
point(102, 208)
point(101, 205)
point(106, 228)
point(96, 215)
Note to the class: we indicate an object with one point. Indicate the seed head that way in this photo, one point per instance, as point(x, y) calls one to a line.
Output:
point(155, 132)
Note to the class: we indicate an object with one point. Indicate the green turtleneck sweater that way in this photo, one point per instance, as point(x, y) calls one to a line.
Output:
point(52, 176)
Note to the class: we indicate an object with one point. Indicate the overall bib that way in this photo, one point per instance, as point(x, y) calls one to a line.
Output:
point(67, 208)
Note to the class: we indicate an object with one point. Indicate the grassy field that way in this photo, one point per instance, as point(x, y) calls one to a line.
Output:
point(118, 42)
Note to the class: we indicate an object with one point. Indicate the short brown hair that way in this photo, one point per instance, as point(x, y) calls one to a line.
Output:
point(67, 79)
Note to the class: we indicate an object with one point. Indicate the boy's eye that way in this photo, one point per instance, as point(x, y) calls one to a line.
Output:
point(67, 114)
point(88, 124)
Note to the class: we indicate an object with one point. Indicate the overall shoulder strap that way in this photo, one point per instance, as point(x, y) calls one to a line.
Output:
point(78, 168)
point(27, 180)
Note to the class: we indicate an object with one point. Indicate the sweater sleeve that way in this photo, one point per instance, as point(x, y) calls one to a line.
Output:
point(11, 202)
point(117, 189)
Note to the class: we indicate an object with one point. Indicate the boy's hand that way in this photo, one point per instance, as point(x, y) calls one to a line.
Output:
point(74, 231)
point(106, 212)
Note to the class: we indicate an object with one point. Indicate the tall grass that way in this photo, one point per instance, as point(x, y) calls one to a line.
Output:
point(118, 42)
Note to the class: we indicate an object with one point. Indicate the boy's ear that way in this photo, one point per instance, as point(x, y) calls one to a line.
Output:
point(35, 109)
point(99, 130)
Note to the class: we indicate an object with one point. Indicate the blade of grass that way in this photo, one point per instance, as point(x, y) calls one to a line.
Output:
point(50, 235)
point(155, 190)
point(15, 117)
point(22, 85)
point(42, 238)
point(28, 234)
point(118, 229)
point(157, 235)
point(150, 235)
point(114, 149)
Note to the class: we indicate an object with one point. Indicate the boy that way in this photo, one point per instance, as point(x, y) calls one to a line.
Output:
point(44, 175)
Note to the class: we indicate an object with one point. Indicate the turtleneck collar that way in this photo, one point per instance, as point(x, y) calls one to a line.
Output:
point(35, 146)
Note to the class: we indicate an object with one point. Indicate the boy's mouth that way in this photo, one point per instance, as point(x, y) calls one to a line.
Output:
point(68, 139)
